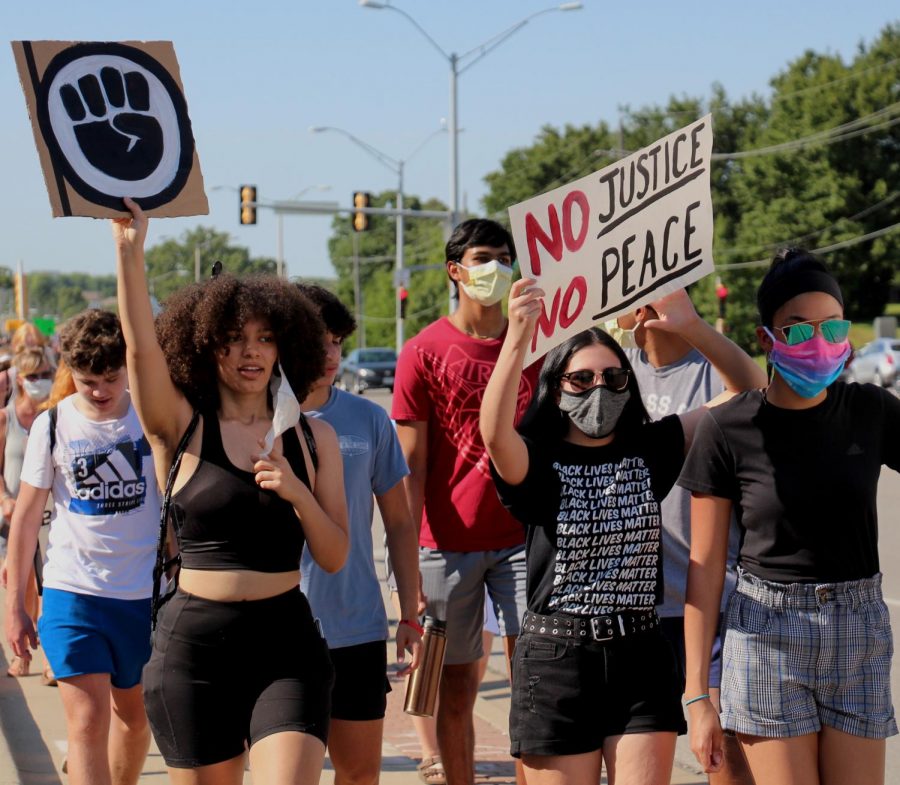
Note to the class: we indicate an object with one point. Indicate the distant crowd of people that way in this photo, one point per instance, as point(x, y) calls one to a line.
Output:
point(655, 524)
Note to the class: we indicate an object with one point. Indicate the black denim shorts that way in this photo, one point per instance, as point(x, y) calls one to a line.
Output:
point(568, 696)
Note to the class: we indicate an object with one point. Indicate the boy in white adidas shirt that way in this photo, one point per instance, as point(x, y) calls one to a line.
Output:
point(91, 454)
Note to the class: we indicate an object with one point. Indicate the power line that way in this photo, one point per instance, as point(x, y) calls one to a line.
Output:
point(824, 250)
point(839, 80)
point(839, 133)
point(736, 251)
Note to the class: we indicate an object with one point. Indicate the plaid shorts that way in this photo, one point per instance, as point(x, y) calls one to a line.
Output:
point(801, 655)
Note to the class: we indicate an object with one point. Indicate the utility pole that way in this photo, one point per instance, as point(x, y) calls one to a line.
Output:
point(357, 295)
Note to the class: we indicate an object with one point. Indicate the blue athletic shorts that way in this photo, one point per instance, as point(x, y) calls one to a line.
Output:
point(84, 634)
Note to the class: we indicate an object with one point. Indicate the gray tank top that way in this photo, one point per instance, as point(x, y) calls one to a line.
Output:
point(14, 453)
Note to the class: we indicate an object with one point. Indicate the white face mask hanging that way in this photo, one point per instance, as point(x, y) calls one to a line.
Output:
point(287, 409)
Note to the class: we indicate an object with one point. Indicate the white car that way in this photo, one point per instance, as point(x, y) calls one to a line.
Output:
point(877, 362)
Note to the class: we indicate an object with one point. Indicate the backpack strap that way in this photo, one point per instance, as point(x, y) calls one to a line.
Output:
point(310, 441)
point(54, 416)
point(162, 565)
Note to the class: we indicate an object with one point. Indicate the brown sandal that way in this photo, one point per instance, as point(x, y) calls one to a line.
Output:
point(19, 666)
point(431, 771)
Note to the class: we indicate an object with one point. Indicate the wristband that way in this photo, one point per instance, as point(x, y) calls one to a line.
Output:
point(413, 624)
point(698, 698)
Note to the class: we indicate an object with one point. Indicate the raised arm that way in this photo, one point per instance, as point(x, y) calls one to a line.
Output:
point(738, 370)
point(164, 412)
point(710, 518)
point(505, 447)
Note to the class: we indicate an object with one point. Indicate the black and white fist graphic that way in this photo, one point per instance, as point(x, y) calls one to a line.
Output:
point(113, 123)
point(116, 124)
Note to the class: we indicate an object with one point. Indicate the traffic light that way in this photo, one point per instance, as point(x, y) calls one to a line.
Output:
point(361, 220)
point(722, 295)
point(248, 204)
point(403, 296)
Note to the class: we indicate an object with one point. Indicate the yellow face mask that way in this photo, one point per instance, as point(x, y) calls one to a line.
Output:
point(623, 337)
point(488, 283)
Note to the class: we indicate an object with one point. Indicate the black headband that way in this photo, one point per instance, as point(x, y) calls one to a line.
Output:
point(771, 296)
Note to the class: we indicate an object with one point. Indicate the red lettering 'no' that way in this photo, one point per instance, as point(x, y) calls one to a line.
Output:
point(559, 234)
point(572, 305)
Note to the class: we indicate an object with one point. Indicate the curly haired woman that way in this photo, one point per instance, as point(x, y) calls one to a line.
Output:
point(243, 521)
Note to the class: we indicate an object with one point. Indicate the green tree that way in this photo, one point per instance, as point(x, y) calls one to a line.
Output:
point(376, 248)
point(815, 194)
point(170, 263)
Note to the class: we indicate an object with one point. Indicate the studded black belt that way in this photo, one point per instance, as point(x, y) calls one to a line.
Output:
point(597, 628)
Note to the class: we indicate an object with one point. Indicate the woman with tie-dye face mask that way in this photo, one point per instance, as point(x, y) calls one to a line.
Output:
point(807, 639)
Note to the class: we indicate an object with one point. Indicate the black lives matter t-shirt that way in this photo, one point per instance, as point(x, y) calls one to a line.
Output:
point(593, 543)
point(803, 482)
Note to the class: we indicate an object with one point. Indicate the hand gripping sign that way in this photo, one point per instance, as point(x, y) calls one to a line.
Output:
point(619, 238)
point(110, 120)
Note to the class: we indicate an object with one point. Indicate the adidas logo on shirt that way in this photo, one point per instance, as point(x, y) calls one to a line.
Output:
point(110, 481)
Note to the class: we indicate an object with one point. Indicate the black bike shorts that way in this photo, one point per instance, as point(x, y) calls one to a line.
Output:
point(223, 675)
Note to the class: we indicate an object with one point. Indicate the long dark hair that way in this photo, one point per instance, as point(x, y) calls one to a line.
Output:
point(544, 422)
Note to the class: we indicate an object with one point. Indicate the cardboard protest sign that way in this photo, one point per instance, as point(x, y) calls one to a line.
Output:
point(619, 238)
point(110, 120)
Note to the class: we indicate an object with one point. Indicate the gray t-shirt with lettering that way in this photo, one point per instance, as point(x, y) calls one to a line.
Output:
point(674, 389)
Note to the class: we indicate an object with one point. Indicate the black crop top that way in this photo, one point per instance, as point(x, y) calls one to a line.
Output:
point(226, 522)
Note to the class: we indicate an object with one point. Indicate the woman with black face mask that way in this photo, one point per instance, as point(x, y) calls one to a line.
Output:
point(807, 637)
point(594, 680)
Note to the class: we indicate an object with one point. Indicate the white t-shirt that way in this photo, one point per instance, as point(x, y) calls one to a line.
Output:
point(106, 503)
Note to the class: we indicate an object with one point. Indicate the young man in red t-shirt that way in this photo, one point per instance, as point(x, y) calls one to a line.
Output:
point(468, 541)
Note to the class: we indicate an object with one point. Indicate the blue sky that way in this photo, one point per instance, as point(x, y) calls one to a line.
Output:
point(258, 75)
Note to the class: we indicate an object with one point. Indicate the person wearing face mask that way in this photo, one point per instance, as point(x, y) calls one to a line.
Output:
point(594, 679)
point(33, 379)
point(468, 542)
point(807, 636)
point(674, 377)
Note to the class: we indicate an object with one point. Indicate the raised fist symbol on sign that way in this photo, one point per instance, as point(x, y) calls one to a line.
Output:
point(113, 123)
point(116, 124)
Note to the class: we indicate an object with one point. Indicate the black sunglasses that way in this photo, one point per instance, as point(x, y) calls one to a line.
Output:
point(614, 378)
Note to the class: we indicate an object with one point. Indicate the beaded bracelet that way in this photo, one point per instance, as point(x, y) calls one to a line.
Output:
point(698, 698)
point(414, 624)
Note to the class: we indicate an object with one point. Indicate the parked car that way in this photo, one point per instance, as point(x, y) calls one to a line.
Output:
point(366, 369)
point(877, 362)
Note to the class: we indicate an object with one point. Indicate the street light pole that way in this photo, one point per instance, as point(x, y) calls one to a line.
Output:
point(454, 143)
point(456, 68)
point(398, 271)
point(396, 166)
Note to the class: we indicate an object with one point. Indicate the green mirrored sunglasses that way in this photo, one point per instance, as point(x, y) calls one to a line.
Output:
point(833, 331)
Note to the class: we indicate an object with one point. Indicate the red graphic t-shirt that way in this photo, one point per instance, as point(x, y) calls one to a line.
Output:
point(440, 379)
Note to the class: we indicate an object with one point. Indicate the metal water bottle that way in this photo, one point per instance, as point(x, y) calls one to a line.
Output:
point(424, 681)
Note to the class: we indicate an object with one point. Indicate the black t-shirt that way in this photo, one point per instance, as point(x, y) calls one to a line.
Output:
point(803, 482)
point(592, 514)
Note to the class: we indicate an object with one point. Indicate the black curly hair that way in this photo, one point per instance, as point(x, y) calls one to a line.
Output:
point(196, 320)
